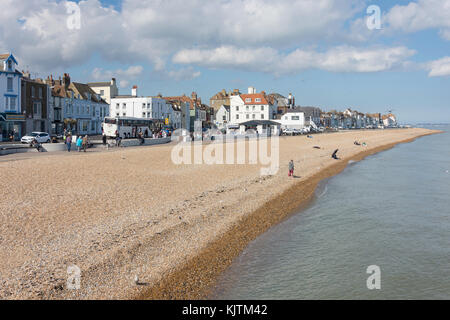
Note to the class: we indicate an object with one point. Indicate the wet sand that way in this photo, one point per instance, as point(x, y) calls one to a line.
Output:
point(129, 212)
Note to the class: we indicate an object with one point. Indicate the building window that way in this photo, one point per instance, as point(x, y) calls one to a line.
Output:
point(117, 114)
point(254, 116)
point(9, 65)
point(295, 118)
point(37, 108)
point(248, 99)
point(247, 116)
point(40, 93)
point(237, 117)
point(102, 92)
point(247, 108)
point(237, 108)
point(117, 106)
point(10, 85)
point(224, 118)
point(124, 106)
point(262, 108)
point(143, 114)
point(12, 103)
point(262, 116)
point(124, 114)
point(258, 100)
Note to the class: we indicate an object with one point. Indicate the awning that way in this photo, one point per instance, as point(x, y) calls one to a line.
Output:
point(259, 122)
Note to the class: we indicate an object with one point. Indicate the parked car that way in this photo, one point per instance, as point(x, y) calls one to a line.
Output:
point(41, 137)
point(290, 132)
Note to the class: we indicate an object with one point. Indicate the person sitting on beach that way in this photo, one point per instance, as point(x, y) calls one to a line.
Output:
point(334, 155)
point(356, 143)
point(291, 168)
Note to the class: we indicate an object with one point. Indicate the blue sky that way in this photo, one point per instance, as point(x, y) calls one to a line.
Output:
point(321, 51)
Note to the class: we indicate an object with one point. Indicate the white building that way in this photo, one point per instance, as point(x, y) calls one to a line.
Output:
point(140, 107)
point(11, 117)
point(292, 119)
point(222, 116)
point(251, 106)
point(389, 120)
point(106, 90)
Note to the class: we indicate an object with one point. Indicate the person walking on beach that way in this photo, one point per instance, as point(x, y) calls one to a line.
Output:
point(85, 143)
point(69, 142)
point(104, 139)
point(79, 143)
point(117, 139)
point(291, 168)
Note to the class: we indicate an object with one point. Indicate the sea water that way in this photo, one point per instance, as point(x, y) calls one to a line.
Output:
point(390, 211)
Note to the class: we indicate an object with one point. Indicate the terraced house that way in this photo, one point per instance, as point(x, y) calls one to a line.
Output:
point(83, 109)
point(35, 104)
point(11, 117)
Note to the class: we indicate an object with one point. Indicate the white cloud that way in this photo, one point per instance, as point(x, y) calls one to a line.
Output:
point(152, 30)
point(131, 73)
point(439, 68)
point(339, 59)
point(183, 74)
point(124, 76)
point(421, 15)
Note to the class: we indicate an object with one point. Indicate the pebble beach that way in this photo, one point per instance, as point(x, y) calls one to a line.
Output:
point(131, 213)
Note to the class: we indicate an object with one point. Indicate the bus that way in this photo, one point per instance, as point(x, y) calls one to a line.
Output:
point(130, 127)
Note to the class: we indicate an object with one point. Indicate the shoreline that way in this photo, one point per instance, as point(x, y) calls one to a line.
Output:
point(198, 275)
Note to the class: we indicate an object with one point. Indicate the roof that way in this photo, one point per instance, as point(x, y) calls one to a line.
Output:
point(4, 57)
point(259, 122)
point(387, 116)
point(84, 90)
point(59, 90)
point(309, 111)
point(253, 98)
point(183, 99)
point(99, 84)
point(294, 110)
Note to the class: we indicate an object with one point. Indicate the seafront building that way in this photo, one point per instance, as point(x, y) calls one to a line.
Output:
point(139, 106)
point(389, 120)
point(197, 110)
point(81, 108)
point(283, 103)
point(12, 120)
point(35, 104)
point(252, 106)
point(106, 90)
point(293, 119)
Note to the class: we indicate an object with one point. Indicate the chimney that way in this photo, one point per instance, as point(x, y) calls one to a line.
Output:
point(66, 80)
point(236, 92)
point(251, 90)
point(113, 81)
point(194, 96)
point(134, 91)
